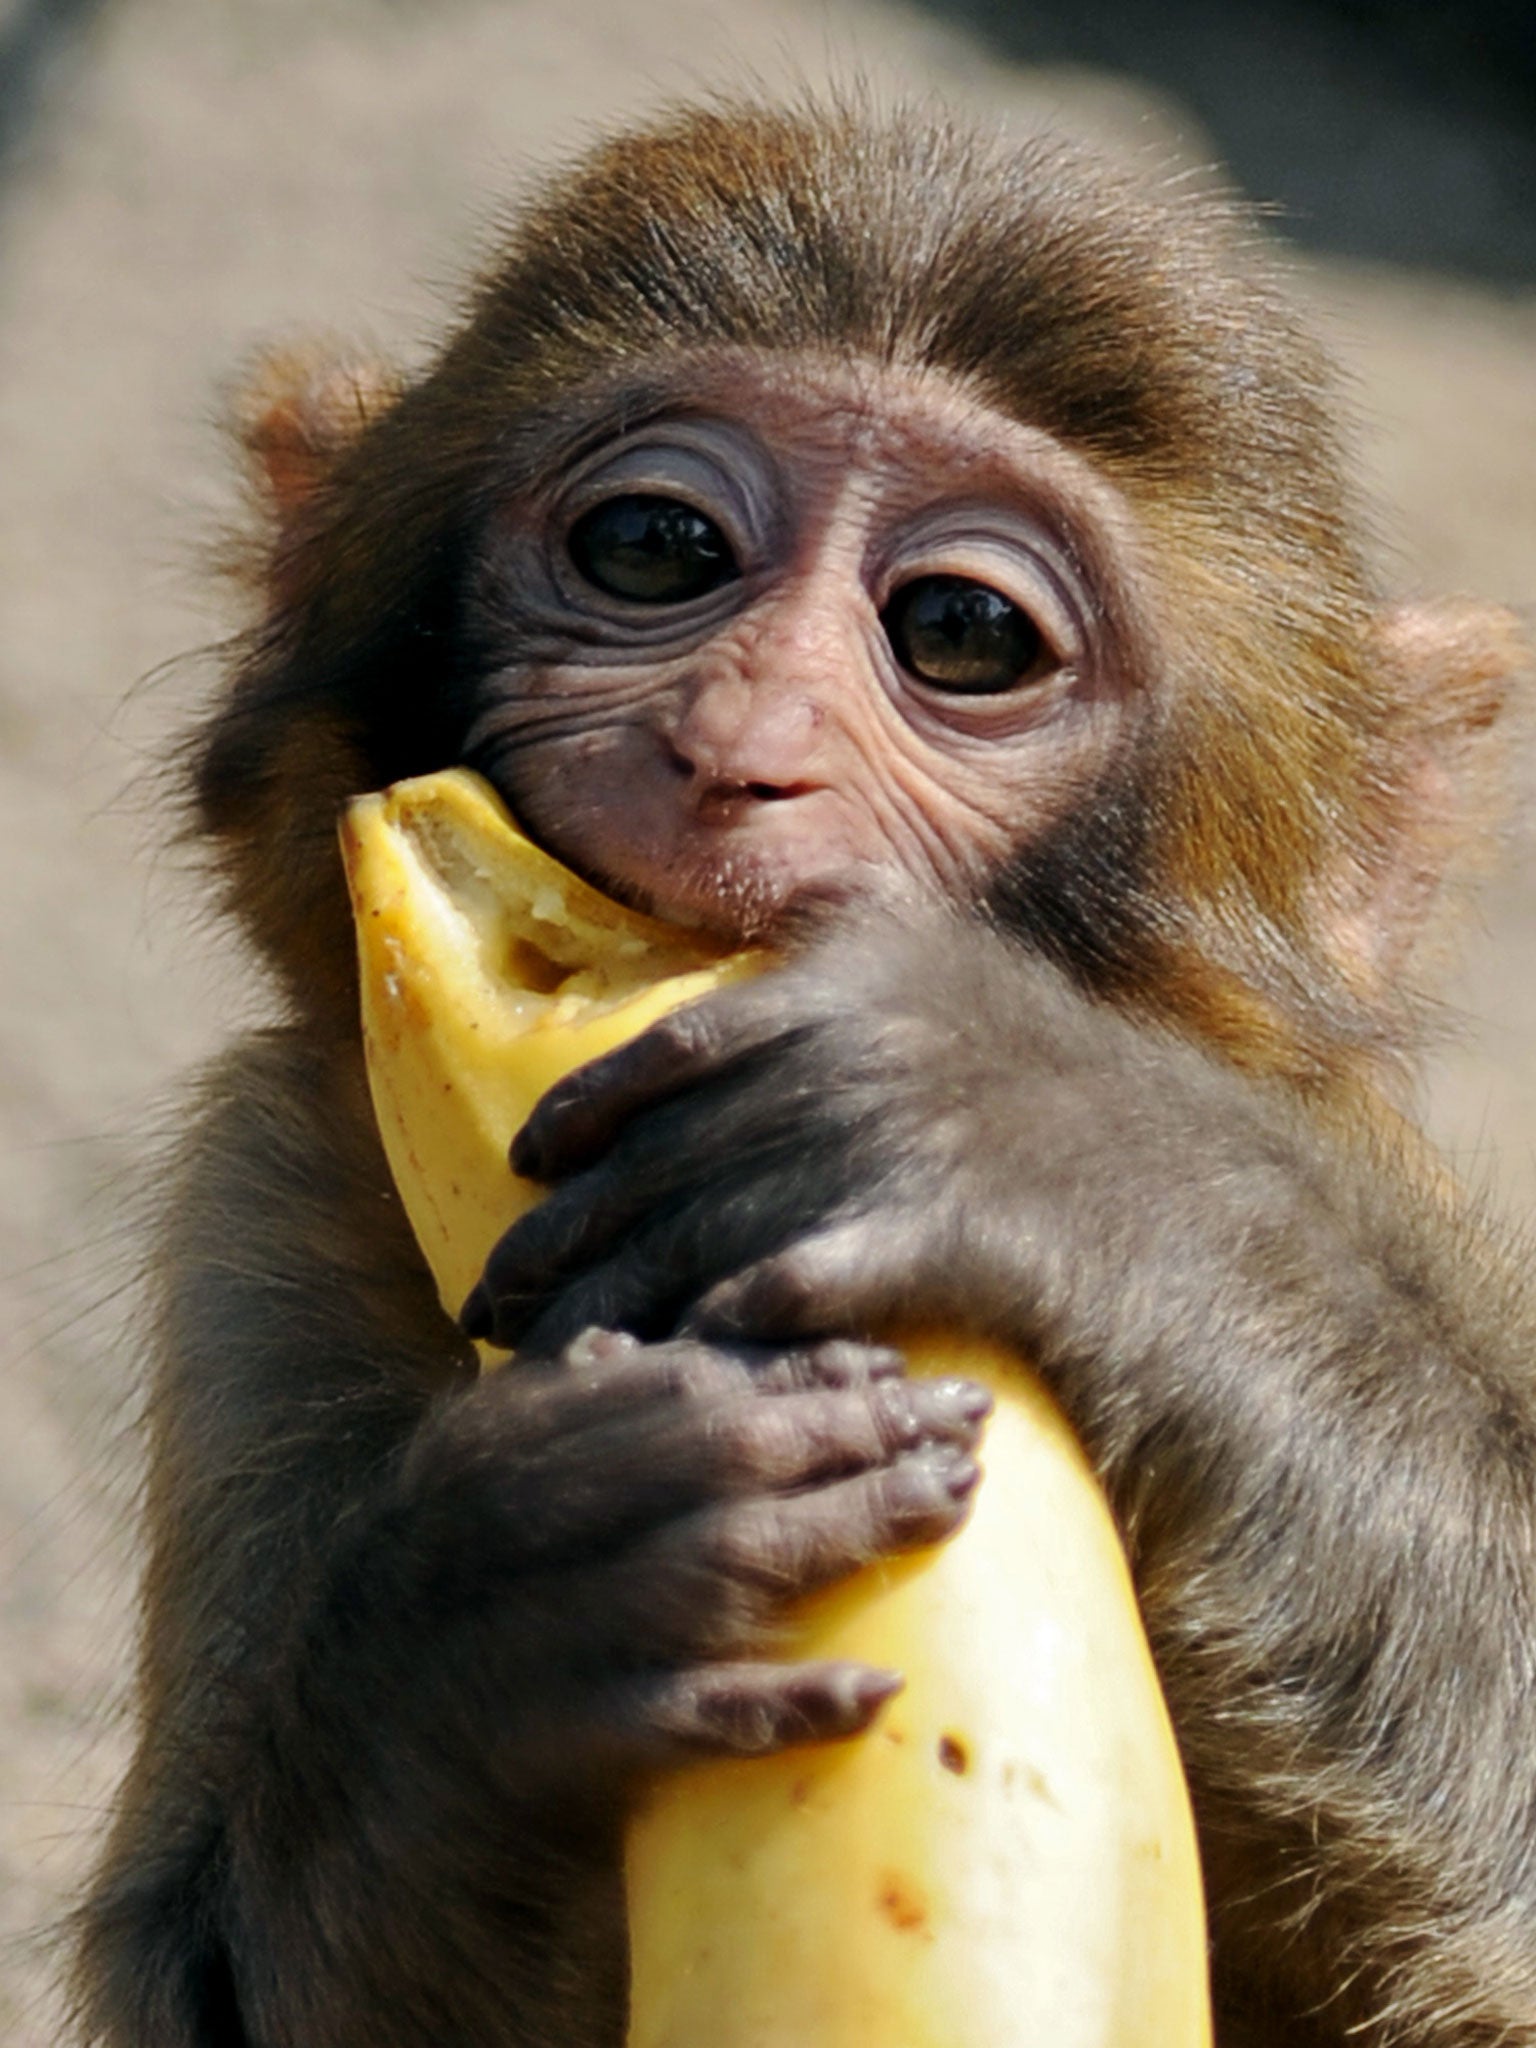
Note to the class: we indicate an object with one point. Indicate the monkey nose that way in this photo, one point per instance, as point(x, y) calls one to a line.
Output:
point(737, 745)
point(718, 795)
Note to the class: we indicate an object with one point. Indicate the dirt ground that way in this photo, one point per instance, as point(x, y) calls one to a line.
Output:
point(212, 172)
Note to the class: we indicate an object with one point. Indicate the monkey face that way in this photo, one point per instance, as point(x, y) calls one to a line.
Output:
point(800, 627)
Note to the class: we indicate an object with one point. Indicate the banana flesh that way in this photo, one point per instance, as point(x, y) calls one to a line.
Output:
point(1007, 1858)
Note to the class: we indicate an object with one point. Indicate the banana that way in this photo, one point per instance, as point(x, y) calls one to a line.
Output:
point(487, 972)
point(1007, 1857)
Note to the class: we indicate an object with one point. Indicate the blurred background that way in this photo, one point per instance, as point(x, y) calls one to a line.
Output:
point(180, 179)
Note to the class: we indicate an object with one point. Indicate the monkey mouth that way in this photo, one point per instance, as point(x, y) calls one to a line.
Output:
point(724, 880)
point(742, 895)
point(732, 895)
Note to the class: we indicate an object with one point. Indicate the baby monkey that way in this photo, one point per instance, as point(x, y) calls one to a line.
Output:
point(935, 555)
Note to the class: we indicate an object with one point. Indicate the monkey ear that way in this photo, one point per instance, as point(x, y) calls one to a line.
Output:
point(298, 411)
point(1456, 666)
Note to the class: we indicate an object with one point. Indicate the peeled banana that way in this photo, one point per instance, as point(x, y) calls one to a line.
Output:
point(1006, 1859)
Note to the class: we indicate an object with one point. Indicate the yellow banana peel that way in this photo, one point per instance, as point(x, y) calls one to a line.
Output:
point(1007, 1858)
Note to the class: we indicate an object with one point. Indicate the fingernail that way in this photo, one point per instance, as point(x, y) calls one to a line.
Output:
point(476, 1317)
point(962, 1476)
point(979, 1400)
point(966, 1399)
point(873, 1686)
point(597, 1346)
point(717, 1318)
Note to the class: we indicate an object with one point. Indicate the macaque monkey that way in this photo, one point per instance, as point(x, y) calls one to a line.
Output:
point(934, 555)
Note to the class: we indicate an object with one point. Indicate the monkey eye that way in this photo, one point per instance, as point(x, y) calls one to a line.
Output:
point(962, 636)
point(651, 550)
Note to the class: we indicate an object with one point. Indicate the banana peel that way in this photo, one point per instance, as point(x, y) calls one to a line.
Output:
point(1007, 1858)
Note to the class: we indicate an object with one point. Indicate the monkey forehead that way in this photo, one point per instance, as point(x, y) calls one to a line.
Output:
point(1134, 316)
point(834, 407)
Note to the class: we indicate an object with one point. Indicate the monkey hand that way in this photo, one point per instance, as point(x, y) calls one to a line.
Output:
point(912, 1122)
point(623, 1523)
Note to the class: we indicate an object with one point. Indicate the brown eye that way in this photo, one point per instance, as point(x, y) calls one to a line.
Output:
point(958, 635)
point(651, 550)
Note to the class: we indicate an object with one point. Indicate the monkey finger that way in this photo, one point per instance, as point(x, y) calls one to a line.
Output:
point(663, 1459)
point(831, 1362)
point(846, 1276)
point(569, 1230)
point(630, 1472)
point(800, 1439)
point(754, 1709)
point(603, 1372)
point(604, 1360)
point(597, 1352)
point(783, 1545)
point(702, 1183)
point(625, 1293)
point(642, 1285)
point(692, 1228)
point(581, 1116)
point(672, 1457)
point(601, 1360)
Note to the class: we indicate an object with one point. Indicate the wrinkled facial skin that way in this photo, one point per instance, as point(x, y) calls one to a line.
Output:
point(805, 629)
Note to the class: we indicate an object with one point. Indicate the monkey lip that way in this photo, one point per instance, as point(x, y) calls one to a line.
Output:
point(743, 877)
point(743, 895)
point(728, 804)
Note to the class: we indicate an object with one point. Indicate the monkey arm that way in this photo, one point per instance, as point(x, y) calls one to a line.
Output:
point(1309, 1392)
point(411, 1635)
point(296, 1356)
